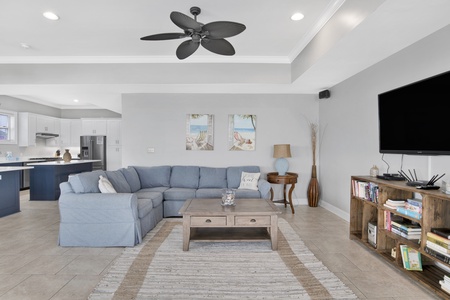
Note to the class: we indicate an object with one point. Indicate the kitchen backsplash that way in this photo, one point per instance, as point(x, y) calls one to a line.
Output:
point(40, 150)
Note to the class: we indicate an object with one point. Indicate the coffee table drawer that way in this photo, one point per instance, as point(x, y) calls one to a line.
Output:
point(208, 221)
point(252, 220)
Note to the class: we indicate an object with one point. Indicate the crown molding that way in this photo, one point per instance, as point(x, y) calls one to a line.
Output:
point(141, 59)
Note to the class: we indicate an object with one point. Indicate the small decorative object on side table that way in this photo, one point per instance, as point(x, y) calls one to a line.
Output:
point(289, 178)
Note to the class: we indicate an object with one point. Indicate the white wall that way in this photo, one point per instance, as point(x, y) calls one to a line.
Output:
point(349, 121)
point(158, 121)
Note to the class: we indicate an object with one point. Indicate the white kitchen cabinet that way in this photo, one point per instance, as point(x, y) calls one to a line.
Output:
point(65, 134)
point(75, 132)
point(93, 127)
point(47, 124)
point(27, 129)
point(113, 158)
point(113, 137)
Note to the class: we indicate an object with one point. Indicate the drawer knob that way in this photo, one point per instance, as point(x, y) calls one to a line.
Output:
point(253, 221)
point(208, 221)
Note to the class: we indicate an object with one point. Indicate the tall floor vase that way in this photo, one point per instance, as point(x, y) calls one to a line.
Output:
point(313, 189)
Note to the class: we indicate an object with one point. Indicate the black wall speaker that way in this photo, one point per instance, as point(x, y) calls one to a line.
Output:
point(324, 94)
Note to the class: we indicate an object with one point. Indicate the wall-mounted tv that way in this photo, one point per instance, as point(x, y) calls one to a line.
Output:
point(414, 119)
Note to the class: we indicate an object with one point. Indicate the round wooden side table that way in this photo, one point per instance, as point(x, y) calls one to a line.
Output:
point(289, 178)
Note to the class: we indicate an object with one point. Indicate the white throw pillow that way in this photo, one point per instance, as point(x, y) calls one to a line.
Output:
point(105, 185)
point(249, 181)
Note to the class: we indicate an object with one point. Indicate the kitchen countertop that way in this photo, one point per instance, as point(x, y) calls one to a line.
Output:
point(9, 169)
point(22, 160)
point(62, 163)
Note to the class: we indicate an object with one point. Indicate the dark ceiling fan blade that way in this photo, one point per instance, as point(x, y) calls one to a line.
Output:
point(218, 46)
point(185, 22)
point(186, 49)
point(164, 36)
point(222, 29)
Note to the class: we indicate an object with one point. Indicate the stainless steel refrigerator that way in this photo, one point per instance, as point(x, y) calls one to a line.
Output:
point(94, 147)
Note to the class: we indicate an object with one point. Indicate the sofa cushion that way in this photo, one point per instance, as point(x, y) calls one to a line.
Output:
point(247, 194)
point(208, 193)
point(155, 196)
point(105, 186)
point(249, 181)
point(132, 178)
point(144, 207)
point(212, 178)
point(184, 177)
point(118, 181)
point(86, 182)
point(179, 194)
point(154, 176)
point(234, 175)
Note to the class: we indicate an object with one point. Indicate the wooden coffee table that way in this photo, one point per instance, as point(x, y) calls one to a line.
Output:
point(249, 220)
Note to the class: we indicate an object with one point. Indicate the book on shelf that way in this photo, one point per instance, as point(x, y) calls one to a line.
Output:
point(438, 248)
point(389, 217)
point(415, 202)
point(390, 206)
point(438, 255)
point(407, 225)
point(365, 190)
point(432, 239)
point(393, 204)
point(396, 202)
point(408, 236)
point(412, 259)
point(444, 232)
point(438, 237)
point(409, 213)
point(411, 207)
point(445, 286)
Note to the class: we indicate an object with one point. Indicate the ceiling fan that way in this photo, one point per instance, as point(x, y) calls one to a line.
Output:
point(211, 36)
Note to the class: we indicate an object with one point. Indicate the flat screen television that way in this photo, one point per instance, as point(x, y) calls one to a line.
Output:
point(414, 119)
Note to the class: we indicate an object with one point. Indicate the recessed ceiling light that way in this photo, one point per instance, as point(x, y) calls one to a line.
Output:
point(297, 16)
point(25, 45)
point(75, 100)
point(51, 15)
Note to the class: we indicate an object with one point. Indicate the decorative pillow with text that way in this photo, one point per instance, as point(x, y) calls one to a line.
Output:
point(249, 181)
point(105, 185)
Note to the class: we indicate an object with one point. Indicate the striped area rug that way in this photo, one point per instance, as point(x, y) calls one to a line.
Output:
point(158, 268)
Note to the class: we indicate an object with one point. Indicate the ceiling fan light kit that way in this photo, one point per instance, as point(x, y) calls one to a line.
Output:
point(211, 36)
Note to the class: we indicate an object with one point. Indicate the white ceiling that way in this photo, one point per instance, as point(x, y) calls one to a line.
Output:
point(94, 52)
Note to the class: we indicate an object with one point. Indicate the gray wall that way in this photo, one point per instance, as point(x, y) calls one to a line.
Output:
point(349, 121)
point(159, 121)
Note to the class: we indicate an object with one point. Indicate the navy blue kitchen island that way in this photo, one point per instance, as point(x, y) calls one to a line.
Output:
point(45, 177)
point(10, 189)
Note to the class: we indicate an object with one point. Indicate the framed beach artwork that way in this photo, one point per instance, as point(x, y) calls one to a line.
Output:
point(199, 132)
point(241, 132)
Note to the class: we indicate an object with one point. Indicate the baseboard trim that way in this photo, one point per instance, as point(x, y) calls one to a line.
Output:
point(331, 208)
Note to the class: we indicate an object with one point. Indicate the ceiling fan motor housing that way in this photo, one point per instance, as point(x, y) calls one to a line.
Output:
point(195, 10)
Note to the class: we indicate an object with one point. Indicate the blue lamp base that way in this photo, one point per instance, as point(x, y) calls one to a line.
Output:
point(281, 165)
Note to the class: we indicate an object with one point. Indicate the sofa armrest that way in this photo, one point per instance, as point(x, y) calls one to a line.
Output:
point(98, 207)
point(264, 188)
point(99, 220)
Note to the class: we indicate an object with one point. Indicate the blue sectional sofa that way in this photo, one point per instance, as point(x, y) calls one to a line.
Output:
point(144, 195)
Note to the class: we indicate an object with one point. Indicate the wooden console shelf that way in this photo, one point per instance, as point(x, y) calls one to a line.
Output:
point(435, 213)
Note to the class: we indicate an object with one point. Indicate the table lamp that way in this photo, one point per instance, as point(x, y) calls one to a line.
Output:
point(280, 152)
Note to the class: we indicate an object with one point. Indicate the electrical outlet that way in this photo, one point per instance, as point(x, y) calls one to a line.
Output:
point(151, 150)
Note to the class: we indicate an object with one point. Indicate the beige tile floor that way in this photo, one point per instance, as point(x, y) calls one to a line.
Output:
point(32, 266)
